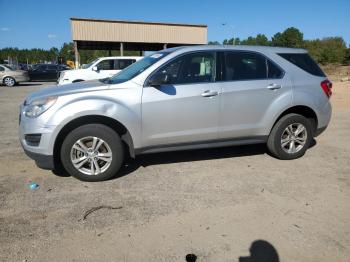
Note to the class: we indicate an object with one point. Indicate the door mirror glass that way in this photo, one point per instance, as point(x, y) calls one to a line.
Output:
point(94, 68)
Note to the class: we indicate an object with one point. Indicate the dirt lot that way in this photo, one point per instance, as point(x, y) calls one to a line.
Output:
point(212, 203)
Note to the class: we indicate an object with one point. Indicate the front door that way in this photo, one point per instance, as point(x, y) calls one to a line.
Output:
point(185, 108)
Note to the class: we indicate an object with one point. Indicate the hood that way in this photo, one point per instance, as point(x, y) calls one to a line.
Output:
point(86, 86)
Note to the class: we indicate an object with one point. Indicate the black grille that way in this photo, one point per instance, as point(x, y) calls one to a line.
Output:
point(32, 139)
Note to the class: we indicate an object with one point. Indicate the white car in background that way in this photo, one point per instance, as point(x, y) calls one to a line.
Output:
point(100, 68)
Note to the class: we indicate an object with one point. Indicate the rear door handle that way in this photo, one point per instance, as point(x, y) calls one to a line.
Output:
point(209, 93)
point(274, 86)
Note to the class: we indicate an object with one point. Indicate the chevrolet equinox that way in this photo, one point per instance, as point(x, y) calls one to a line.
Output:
point(178, 99)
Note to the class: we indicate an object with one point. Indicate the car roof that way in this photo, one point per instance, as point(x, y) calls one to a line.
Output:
point(269, 49)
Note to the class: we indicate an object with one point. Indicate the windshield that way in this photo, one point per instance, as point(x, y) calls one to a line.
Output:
point(136, 68)
point(89, 64)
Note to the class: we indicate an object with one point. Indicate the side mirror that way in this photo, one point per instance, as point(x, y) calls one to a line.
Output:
point(94, 68)
point(159, 79)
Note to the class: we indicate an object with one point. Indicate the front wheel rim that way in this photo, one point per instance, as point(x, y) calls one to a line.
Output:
point(91, 155)
point(293, 138)
point(9, 81)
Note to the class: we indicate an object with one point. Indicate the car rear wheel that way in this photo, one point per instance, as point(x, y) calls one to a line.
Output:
point(9, 81)
point(290, 137)
point(92, 152)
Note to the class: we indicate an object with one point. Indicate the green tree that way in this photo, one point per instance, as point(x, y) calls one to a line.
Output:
point(260, 39)
point(291, 37)
point(213, 43)
point(232, 41)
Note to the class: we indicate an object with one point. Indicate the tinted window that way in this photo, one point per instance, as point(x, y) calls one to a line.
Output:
point(191, 68)
point(273, 70)
point(244, 66)
point(106, 65)
point(51, 67)
point(2, 69)
point(305, 62)
point(120, 64)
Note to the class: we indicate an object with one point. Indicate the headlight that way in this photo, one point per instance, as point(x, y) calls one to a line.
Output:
point(39, 106)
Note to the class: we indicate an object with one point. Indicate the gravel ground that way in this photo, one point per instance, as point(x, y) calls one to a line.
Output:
point(213, 203)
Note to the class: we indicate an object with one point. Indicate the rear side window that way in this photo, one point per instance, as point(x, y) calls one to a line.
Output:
point(244, 66)
point(305, 62)
point(2, 69)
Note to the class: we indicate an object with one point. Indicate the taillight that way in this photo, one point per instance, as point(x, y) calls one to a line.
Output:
point(327, 87)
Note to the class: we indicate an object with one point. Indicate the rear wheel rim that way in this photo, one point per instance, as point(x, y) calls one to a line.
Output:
point(293, 138)
point(9, 81)
point(91, 155)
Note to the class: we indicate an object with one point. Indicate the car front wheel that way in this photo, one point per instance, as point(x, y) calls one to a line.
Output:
point(290, 137)
point(9, 81)
point(92, 152)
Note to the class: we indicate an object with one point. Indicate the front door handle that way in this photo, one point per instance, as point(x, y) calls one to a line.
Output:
point(274, 86)
point(209, 93)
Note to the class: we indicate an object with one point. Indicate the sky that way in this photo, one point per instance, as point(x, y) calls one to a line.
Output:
point(46, 24)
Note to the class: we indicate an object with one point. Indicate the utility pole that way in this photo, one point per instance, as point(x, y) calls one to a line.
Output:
point(233, 28)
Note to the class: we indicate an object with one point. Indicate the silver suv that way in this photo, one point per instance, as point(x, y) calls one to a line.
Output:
point(178, 99)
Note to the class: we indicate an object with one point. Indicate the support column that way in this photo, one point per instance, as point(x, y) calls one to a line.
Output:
point(109, 52)
point(165, 46)
point(76, 55)
point(121, 49)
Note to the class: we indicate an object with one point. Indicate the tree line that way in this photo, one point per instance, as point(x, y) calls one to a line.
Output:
point(330, 50)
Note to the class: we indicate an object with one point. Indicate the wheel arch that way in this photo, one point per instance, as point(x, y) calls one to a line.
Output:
point(93, 119)
point(303, 110)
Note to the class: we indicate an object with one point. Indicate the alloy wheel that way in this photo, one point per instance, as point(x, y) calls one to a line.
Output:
point(91, 155)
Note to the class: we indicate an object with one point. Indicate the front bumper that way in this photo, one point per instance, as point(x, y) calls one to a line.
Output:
point(37, 140)
point(42, 161)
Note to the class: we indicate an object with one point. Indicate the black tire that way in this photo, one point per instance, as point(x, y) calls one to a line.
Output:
point(9, 81)
point(274, 143)
point(109, 136)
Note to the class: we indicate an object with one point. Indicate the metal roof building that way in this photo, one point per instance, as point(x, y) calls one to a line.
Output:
point(98, 34)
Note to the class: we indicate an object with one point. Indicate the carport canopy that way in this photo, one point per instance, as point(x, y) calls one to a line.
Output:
point(98, 34)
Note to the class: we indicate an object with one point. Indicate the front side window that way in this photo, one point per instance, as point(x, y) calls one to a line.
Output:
point(120, 64)
point(244, 66)
point(106, 65)
point(191, 68)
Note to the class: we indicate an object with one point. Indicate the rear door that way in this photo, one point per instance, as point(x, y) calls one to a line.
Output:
point(248, 91)
point(185, 109)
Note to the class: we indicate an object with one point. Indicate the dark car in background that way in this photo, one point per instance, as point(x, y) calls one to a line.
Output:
point(46, 72)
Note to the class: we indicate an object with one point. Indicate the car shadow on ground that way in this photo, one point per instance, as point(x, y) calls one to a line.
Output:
point(30, 84)
point(260, 251)
point(130, 165)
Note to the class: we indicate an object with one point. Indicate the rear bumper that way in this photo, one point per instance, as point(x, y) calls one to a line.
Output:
point(22, 78)
point(42, 161)
point(319, 131)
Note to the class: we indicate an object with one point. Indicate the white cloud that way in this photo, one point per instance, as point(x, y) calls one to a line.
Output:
point(51, 36)
point(5, 29)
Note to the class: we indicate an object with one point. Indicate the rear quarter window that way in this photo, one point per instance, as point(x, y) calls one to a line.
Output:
point(304, 62)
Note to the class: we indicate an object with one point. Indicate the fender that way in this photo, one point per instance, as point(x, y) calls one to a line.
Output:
point(127, 113)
